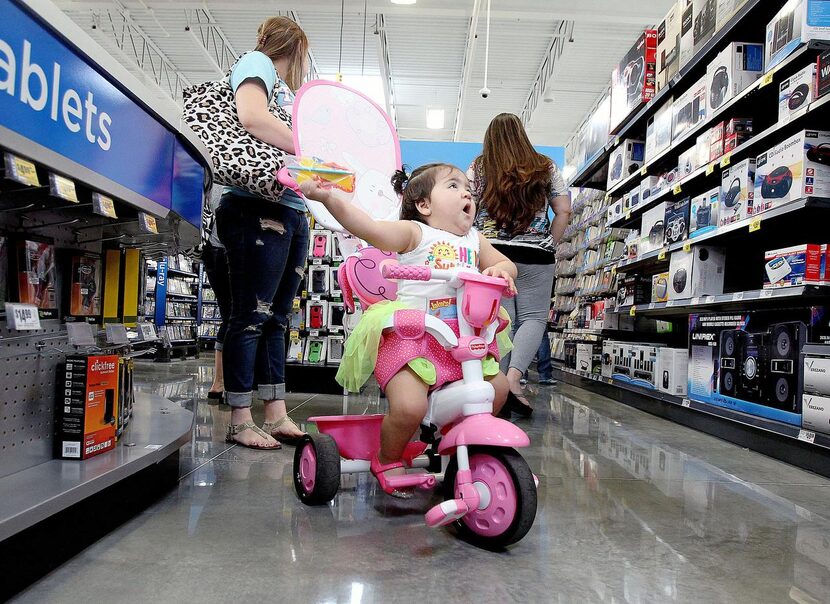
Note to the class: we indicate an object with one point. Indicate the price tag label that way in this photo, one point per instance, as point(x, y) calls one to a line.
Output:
point(695, 301)
point(669, 303)
point(685, 403)
point(807, 436)
point(725, 160)
point(608, 197)
point(628, 215)
point(294, 334)
point(63, 188)
point(710, 169)
point(662, 254)
point(314, 333)
point(633, 311)
point(116, 334)
point(147, 223)
point(644, 171)
point(617, 141)
point(766, 293)
point(103, 205)
point(316, 297)
point(687, 247)
point(613, 271)
point(676, 189)
point(755, 225)
point(767, 79)
point(22, 317)
point(317, 261)
point(21, 170)
point(708, 299)
point(652, 306)
point(737, 296)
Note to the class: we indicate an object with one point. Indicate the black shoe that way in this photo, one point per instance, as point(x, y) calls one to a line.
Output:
point(515, 405)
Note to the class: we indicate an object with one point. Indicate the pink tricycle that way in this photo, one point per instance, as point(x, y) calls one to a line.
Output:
point(489, 490)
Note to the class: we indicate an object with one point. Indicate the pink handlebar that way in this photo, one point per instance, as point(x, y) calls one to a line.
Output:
point(411, 273)
point(285, 179)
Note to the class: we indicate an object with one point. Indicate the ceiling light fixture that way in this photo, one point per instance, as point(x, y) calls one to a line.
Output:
point(435, 119)
point(549, 97)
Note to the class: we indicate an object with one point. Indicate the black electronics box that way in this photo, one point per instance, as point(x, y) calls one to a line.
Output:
point(634, 289)
point(823, 74)
point(677, 220)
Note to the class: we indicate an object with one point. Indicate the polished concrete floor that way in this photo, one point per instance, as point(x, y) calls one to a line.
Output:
point(632, 508)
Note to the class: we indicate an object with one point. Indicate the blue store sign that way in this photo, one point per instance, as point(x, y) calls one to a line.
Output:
point(53, 97)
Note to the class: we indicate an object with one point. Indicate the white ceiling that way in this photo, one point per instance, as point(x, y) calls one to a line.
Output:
point(426, 47)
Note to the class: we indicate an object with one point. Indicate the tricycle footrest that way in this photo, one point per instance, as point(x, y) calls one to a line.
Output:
point(404, 481)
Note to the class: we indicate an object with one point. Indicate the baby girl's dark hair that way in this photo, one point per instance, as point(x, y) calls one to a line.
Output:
point(416, 186)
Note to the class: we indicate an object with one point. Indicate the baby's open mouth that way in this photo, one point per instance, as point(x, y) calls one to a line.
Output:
point(468, 208)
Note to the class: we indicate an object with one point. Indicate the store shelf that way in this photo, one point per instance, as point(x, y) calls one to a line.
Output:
point(157, 429)
point(187, 297)
point(175, 271)
point(174, 318)
point(737, 300)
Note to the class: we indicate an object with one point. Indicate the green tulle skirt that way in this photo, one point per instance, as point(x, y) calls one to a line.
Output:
point(361, 352)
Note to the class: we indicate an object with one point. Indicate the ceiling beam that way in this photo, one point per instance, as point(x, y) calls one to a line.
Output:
point(385, 68)
point(467, 69)
point(212, 41)
point(547, 70)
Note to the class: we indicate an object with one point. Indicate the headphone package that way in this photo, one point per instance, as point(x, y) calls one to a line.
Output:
point(703, 215)
point(626, 158)
point(792, 169)
point(652, 228)
point(633, 79)
point(804, 264)
point(698, 272)
point(658, 130)
point(677, 220)
point(689, 109)
point(668, 46)
point(736, 67)
point(799, 21)
point(796, 93)
point(737, 192)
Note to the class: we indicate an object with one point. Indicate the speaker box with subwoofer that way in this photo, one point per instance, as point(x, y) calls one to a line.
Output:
point(797, 22)
point(737, 192)
point(689, 109)
point(697, 272)
point(752, 368)
point(633, 81)
point(784, 375)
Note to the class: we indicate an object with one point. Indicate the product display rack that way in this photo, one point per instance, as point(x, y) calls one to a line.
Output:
point(177, 309)
point(73, 192)
point(745, 242)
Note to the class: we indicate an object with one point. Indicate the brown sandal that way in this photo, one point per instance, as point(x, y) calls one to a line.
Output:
point(271, 427)
point(234, 429)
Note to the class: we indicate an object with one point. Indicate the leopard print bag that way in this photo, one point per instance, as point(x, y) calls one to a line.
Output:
point(239, 158)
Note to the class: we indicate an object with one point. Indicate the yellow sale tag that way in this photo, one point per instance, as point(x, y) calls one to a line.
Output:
point(613, 271)
point(608, 197)
point(25, 171)
point(628, 215)
point(767, 79)
point(755, 225)
point(710, 169)
point(662, 254)
point(617, 141)
point(724, 161)
point(644, 171)
point(676, 189)
point(633, 311)
point(687, 247)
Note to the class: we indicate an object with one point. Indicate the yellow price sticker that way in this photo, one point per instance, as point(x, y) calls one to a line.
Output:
point(633, 311)
point(724, 161)
point(148, 223)
point(63, 188)
point(687, 247)
point(24, 171)
point(662, 254)
point(613, 270)
point(767, 79)
point(676, 189)
point(755, 225)
point(628, 215)
point(617, 141)
point(608, 197)
point(644, 171)
point(710, 169)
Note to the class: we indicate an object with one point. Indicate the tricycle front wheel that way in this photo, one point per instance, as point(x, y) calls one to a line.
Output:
point(316, 469)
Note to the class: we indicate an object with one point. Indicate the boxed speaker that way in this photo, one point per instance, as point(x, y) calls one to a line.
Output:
point(315, 351)
point(316, 314)
point(87, 408)
point(703, 215)
point(804, 264)
point(726, 10)
point(736, 67)
point(633, 80)
point(792, 169)
point(652, 228)
point(660, 287)
point(644, 365)
point(677, 220)
point(815, 407)
point(673, 372)
point(648, 188)
point(822, 75)
point(625, 159)
point(658, 130)
point(698, 272)
point(737, 192)
point(319, 245)
point(335, 346)
point(749, 362)
point(668, 46)
point(799, 21)
point(633, 289)
point(705, 19)
point(796, 93)
point(634, 197)
point(687, 22)
point(607, 364)
point(615, 212)
point(689, 109)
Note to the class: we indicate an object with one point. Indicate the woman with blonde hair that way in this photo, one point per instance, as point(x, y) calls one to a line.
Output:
point(513, 186)
point(266, 243)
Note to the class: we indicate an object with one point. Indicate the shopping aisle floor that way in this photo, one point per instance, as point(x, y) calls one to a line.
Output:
point(632, 508)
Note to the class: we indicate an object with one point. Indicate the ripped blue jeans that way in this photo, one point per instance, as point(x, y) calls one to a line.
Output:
point(266, 245)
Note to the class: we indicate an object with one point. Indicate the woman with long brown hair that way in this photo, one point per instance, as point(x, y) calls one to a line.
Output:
point(513, 186)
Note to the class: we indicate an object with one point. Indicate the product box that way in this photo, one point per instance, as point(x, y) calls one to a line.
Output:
point(585, 358)
point(815, 406)
point(295, 348)
point(85, 285)
point(797, 265)
point(737, 192)
point(716, 138)
point(689, 109)
point(703, 215)
point(36, 276)
point(634, 197)
point(319, 245)
point(687, 22)
point(673, 371)
point(677, 220)
point(822, 75)
point(799, 21)
point(668, 46)
point(598, 128)
point(633, 289)
point(625, 159)
point(606, 367)
point(660, 287)
point(648, 188)
point(658, 130)
point(698, 272)
point(796, 93)
point(315, 351)
point(316, 314)
point(335, 346)
point(87, 407)
point(726, 10)
point(736, 67)
point(319, 280)
point(737, 132)
point(644, 370)
point(337, 312)
point(4, 270)
point(702, 147)
point(687, 162)
point(705, 19)
point(633, 79)
point(615, 212)
point(652, 228)
point(751, 361)
point(792, 169)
